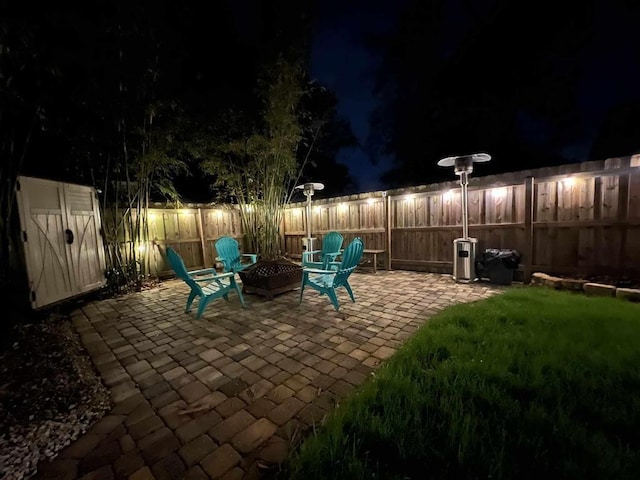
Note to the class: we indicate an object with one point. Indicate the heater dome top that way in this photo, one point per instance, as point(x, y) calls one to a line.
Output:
point(309, 188)
point(466, 159)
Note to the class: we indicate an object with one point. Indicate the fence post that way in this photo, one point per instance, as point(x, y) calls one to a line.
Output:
point(529, 202)
point(624, 182)
point(387, 226)
point(203, 245)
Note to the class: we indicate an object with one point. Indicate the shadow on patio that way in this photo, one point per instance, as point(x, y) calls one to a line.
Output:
point(227, 395)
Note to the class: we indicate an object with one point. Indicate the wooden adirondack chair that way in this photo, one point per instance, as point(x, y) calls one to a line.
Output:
point(208, 288)
point(230, 257)
point(331, 248)
point(327, 281)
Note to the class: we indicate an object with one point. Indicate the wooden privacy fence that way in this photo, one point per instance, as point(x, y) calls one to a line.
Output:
point(572, 219)
point(191, 231)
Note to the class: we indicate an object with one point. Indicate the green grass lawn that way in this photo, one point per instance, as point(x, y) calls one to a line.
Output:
point(528, 384)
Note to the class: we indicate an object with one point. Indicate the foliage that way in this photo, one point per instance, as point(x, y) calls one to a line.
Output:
point(529, 384)
point(259, 169)
point(133, 179)
point(108, 95)
point(22, 70)
point(325, 134)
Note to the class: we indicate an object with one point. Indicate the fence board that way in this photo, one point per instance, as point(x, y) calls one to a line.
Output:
point(609, 207)
point(435, 210)
point(633, 211)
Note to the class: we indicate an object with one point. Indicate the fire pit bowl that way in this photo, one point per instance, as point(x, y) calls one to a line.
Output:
point(271, 277)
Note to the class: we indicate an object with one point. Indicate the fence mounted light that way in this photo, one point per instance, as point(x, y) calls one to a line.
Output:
point(371, 200)
point(499, 192)
point(411, 196)
point(343, 207)
point(152, 216)
point(568, 182)
point(447, 196)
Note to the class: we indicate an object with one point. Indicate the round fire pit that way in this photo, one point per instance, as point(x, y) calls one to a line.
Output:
point(271, 277)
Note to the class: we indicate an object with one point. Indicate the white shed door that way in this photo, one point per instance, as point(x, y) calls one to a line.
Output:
point(62, 241)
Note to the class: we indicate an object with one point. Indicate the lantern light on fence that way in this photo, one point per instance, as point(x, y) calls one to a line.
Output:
point(499, 192)
point(141, 247)
point(219, 213)
point(448, 196)
point(568, 182)
point(371, 200)
point(152, 216)
point(411, 196)
point(343, 207)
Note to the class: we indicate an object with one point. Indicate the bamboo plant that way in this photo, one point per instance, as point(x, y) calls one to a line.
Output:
point(259, 170)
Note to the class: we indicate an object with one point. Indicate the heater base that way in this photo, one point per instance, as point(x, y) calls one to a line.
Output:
point(464, 260)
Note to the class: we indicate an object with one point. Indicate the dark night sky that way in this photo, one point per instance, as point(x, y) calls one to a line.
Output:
point(340, 60)
point(611, 70)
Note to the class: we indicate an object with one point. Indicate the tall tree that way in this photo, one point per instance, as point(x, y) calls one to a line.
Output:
point(325, 133)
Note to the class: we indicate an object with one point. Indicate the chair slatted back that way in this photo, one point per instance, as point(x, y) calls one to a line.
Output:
point(177, 264)
point(350, 259)
point(229, 251)
point(331, 245)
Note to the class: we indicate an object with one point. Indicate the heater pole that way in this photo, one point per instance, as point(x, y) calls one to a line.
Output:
point(308, 189)
point(308, 215)
point(465, 212)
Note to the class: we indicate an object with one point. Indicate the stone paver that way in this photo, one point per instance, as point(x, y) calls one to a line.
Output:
point(216, 396)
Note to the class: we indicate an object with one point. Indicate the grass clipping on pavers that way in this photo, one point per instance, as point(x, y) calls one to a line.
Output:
point(528, 384)
point(49, 394)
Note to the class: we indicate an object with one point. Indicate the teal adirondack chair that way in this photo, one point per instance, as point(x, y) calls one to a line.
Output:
point(230, 257)
point(327, 281)
point(331, 248)
point(208, 288)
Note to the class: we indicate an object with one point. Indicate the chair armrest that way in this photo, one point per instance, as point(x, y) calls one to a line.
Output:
point(215, 277)
point(226, 260)
point(253, 256)
point(203, 271)
point(318, 270)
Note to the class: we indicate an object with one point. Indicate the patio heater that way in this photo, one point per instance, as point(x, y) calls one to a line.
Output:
point(309, 189)
point(464, 249)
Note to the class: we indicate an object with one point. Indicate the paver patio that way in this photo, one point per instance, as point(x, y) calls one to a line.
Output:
point(227, 395)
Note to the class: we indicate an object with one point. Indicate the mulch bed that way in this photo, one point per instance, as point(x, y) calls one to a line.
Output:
point(49, 394)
